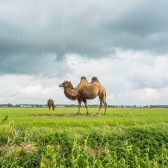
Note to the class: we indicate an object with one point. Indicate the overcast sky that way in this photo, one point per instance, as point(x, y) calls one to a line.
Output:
point(44, 42)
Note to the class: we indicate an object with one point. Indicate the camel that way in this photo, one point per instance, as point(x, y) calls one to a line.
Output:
point(50, 103)
point(84, 91)
point(91, 91)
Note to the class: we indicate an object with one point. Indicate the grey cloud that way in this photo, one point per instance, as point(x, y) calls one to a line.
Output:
point(144, 18)
point(140, 82)
point(43, 65)
point(142, 27)
point(32, 29)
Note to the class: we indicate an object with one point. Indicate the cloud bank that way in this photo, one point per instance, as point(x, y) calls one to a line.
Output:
point(130, 78)
point(124, 43)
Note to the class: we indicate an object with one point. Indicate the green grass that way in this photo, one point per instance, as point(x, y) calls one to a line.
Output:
point(124, 137)
point(114, 117)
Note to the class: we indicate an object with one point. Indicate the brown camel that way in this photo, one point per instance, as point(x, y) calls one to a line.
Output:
point(85, 91)
point(50, 103)
point(91, 91)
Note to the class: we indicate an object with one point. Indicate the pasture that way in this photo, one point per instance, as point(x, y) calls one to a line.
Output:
point(124, 137)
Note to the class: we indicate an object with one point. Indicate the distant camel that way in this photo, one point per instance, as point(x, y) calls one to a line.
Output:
point(85, 91)
point(50, 103)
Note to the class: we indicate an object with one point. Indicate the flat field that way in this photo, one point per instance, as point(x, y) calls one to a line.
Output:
point(124, 137)
point(62, 118)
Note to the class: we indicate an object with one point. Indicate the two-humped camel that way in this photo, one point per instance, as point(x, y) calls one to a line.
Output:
point(85, 90)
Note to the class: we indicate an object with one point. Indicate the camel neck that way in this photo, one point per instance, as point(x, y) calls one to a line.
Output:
point(70, 93)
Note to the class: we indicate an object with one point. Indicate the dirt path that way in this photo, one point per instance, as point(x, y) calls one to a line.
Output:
point(66, 115)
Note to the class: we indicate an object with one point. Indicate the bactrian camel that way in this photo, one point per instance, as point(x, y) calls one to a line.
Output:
point(50, 104)
point(84, 91)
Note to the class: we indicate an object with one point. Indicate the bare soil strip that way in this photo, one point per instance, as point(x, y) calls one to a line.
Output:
point(66, 115)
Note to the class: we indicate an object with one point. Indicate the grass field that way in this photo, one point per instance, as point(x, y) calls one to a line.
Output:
point(124, 137)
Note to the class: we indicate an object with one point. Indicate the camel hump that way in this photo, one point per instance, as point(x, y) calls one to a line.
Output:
point(83, 78)
point(94, 79)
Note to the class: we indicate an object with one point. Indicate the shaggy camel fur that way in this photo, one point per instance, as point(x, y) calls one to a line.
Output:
point(50, 103)
point(85, 91)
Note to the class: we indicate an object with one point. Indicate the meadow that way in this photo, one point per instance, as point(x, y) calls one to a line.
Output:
point(124, 137)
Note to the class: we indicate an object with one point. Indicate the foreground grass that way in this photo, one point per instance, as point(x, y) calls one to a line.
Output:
point(122, 138)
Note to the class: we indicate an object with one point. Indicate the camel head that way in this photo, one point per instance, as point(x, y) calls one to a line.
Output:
point(66, 84)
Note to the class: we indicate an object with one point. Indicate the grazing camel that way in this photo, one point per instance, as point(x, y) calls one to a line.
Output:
point(50, 103)
point(85, 91)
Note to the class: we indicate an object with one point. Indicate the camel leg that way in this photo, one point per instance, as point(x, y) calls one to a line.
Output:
point(86, 106)
point(100, 106)
point(105, 106)
point(53, 107)
point(79, 105)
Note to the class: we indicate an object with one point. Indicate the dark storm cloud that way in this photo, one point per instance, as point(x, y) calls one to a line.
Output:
point(29, 30)
point(142, 27)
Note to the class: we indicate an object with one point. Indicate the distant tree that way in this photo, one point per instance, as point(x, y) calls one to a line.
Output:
point(10, 105)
